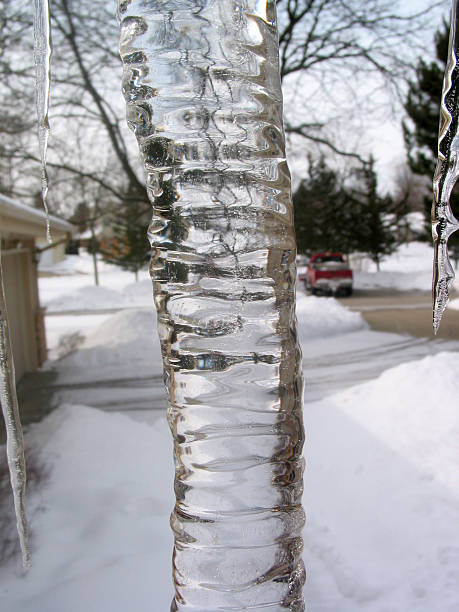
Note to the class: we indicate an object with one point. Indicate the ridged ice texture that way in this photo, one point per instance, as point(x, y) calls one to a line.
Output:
point(42, 61)
point(444, 222)
point(202, 86)
point(14, 439)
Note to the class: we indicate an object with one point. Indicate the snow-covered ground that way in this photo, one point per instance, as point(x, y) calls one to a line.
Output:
point(72, 288)
point(408, 269)
point(383, 509)
point(380, 494)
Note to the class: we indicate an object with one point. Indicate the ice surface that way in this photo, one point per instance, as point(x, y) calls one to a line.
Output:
point(202, 86)
point(446, 173)
point(42, 57)
point(14, 438)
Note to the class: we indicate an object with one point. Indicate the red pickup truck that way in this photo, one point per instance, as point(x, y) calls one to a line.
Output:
point(328, 273)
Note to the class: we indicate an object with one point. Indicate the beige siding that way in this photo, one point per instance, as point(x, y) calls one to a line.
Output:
point(22, 304)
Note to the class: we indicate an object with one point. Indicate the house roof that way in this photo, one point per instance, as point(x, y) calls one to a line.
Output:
point(19, 219)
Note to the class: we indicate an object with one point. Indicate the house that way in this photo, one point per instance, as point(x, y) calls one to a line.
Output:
point(21, 228)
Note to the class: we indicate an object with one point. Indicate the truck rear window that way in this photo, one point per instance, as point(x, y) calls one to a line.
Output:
point(328, 258)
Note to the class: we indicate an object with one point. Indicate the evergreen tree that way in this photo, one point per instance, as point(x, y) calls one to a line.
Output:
point(323, 211)
point(128, 246)
point(331, 216)
point(421, 132)
point(378, 217)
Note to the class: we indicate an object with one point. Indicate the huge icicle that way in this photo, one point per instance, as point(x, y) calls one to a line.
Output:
point(42, 58)
point(14, 442)
point(201, 81)
point(446, 173)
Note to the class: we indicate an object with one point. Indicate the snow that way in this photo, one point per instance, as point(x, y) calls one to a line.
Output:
point(380, 494)
point(382, 501)
point(124, 345)
point(91, 297)
point(69, 286)
point(76, 264)
point(127, 339)
point(101, 539)
point(320, 317)
point(409, 268)
point(86, 298)
point(61, 329)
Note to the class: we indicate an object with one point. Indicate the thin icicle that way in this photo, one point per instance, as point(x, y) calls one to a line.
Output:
point(42, 57)
point(14, 439)
point(446, 174)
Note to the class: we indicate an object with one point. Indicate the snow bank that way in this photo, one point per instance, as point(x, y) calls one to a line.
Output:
point(408, 269)
point(71, 287)
point(380, 495)
point(71, 264)
point(100, 533)
point(381, 492)
point(90, 297)
point(126, 339)
point(320, 317)
point(400, 281)
point(77, 264)
point(429, 436)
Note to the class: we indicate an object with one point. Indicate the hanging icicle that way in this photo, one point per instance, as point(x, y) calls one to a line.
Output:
point(42, 58)
point(444, 222)
point(14, 440)
point(9, 401)
point(202, 86)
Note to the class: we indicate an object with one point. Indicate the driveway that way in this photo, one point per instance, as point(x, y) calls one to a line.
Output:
point(402, 313)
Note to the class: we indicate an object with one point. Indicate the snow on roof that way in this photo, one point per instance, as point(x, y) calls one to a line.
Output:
point(12, 208)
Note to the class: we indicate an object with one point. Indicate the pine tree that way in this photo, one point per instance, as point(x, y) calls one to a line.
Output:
point(323, 213)
point(421, 132)
point(378, 217)
point(333, 216)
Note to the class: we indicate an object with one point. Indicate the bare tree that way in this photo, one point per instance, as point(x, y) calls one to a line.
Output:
point(410, 188)
point(322, 41)
point(337, 42)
